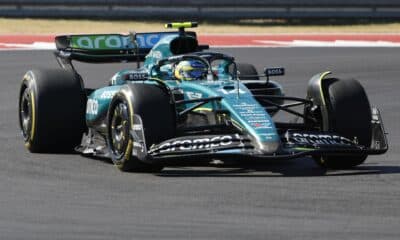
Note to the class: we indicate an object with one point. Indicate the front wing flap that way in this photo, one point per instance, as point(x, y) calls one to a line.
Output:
point(294, 144)
point(188, 149)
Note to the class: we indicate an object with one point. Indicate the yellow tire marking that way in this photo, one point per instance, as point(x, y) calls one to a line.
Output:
point(130, 142)
point(128, 150)
point(323, 75)
point(33, 116)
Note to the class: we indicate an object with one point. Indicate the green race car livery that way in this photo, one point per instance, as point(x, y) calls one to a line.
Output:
point(185, 103)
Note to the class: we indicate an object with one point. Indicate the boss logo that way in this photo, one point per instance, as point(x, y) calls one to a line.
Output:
point(275, 71)
point(136, 76)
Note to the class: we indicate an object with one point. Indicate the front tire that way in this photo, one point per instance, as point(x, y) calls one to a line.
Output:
point(154, 107)
point(349, 115)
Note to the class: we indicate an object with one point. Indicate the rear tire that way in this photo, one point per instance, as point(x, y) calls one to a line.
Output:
point(153, 105)
point(349, 114)
point(51, 110)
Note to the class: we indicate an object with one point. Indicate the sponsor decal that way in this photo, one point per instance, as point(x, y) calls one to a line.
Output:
point(137, 147)
point(137, 127)
point(320, 139)
point(232, 91)
point(246, 107)
point(148, 40)
point(194, 95)
point(92, 107)
point(107, 94)
point(132, 76)
point(254, 115)
point(275, 71)
point(154, 54)
point(197, 143)
point(101, 42)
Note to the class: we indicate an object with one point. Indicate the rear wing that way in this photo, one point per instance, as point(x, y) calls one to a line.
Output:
point(104, 48)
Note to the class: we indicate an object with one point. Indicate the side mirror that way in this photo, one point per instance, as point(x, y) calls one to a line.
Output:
point(277, 71)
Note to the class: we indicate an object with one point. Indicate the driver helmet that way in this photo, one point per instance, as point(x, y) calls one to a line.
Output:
point(190, 70)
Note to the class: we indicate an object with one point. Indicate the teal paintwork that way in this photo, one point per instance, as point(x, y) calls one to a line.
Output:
point(98, 102)
point(159, 51)
point(245, 111)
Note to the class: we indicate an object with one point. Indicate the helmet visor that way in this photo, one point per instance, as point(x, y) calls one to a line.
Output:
point(196, 73)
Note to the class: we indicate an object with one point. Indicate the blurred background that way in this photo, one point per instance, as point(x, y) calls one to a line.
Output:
point(203, 9)
point(26, 16)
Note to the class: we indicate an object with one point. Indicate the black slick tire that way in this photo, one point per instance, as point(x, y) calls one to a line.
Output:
point(349, 114)
point(154, 107)
point(51, 110)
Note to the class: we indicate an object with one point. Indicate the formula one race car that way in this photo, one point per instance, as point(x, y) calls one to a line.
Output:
point(188, 104)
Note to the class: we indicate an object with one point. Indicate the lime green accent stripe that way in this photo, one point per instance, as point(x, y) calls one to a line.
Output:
point(33, 116)
point(237, 124)
point(323, 75)
point(303, 148)
point(202, 109)
point(180, 25)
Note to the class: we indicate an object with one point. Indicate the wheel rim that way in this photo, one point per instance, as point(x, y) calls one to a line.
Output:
point(119, 130)
point(25, 113)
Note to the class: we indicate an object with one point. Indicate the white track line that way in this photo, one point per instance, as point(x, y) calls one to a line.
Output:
point(337, 43)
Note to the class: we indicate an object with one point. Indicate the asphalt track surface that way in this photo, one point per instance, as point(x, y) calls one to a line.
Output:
point(47, 196)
